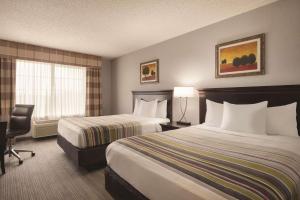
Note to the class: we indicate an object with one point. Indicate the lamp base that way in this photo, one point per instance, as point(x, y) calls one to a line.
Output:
point(183, 123)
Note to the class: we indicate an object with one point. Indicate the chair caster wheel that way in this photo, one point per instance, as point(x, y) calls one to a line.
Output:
point(20, 162)
point(32, 154)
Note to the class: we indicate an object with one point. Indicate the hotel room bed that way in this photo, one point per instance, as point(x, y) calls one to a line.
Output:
point(201, 162)
point(84, 139)
point(204, 163)
point(73, 129)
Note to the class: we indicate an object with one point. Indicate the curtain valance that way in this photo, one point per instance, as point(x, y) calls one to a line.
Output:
point(45, 54)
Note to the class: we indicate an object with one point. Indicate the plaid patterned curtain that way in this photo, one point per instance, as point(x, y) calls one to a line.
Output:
point(93, 93)
point(7, 86)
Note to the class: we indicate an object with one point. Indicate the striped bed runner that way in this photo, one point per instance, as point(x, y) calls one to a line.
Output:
point(234, 170)
point(105, 133)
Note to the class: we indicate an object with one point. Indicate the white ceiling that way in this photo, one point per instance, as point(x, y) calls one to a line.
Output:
point(111, 28)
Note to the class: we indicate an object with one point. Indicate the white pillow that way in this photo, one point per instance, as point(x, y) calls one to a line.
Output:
point(147, 108)
point(214, 113)
point(282, 120)
point(161, 111)
point(248, 118)
point(137, 106)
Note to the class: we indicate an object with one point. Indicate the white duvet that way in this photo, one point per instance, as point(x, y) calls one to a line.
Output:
point(157, 182)
point(74, 134)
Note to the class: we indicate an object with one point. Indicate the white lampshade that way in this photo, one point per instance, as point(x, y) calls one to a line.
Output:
point(183, 91)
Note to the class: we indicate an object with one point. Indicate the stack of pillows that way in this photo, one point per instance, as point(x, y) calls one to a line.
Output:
point(154, 109)
point(253, 118)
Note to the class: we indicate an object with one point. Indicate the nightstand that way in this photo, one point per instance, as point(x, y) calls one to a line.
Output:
point(172, 126)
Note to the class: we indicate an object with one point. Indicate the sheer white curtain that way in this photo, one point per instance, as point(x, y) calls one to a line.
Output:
point(55, 90)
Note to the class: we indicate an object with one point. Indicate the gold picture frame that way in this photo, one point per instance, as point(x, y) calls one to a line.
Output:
point(149, 72)
point(243, 57)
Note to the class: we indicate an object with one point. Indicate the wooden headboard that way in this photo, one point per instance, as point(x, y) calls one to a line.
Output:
point(152, 95)
point(275, 95)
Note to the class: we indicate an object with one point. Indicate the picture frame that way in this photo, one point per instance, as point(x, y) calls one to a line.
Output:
point(149, 72)
point(242, 57)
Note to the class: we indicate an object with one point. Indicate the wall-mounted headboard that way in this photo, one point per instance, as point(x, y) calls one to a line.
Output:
point(275, 95)
point(152, 95)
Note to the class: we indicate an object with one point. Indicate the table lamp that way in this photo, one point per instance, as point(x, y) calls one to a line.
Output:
point(183, 92)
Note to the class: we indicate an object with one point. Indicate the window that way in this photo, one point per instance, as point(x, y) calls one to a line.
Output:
point(56, 90)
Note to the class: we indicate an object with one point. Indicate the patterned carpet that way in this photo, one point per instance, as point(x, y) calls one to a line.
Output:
point(49, 175)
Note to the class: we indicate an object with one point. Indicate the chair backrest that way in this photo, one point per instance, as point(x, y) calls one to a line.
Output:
point(21, 118)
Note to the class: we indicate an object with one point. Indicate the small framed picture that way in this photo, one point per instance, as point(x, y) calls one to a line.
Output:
point(243, 57)
point(149, 72)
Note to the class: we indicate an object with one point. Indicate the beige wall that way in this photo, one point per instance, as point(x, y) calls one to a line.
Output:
point(189, 60)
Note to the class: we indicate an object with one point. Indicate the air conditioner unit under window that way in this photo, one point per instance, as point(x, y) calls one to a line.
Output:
point(44, 129)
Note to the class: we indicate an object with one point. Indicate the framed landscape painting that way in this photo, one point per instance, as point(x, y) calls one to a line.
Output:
point(243, 57)
point(149, 72)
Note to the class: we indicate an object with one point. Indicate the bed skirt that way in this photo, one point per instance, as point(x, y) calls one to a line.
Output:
point(120, 189)
point(89, 158)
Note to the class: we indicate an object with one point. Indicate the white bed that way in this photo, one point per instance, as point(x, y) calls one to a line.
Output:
point(74, 134)
point(260, 160)
point(158, 181)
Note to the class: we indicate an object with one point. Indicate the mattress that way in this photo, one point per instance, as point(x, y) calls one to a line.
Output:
point(70, 129)
point(158, 179)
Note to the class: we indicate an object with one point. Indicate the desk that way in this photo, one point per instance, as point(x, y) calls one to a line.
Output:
point(3, 125)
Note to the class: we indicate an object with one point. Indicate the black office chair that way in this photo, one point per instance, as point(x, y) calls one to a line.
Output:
point(19, 124)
